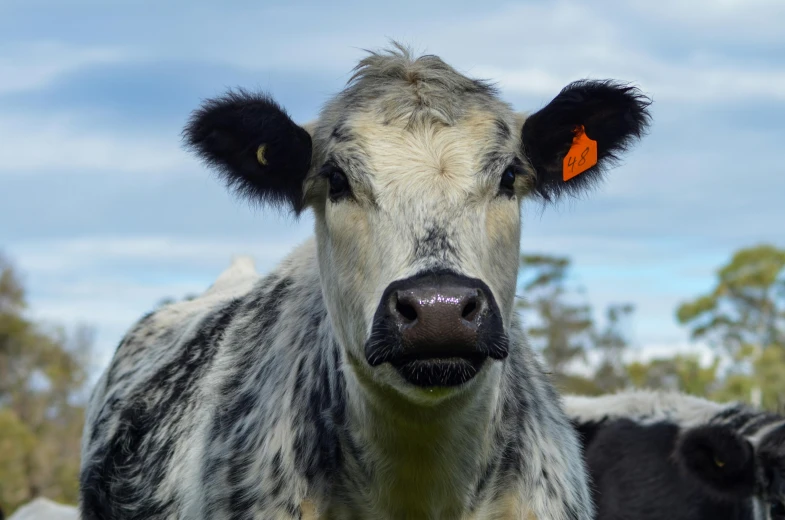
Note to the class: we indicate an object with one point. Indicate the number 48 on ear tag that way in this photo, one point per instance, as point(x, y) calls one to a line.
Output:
point(581, 156)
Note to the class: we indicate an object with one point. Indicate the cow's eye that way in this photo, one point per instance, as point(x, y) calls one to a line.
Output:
point(507, 184)
point(339, 184)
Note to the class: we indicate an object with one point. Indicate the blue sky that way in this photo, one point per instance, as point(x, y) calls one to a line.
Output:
point(105, 214)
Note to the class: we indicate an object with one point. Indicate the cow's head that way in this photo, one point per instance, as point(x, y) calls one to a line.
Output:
point(415, 175)
point(720, 459)
point(732, 467)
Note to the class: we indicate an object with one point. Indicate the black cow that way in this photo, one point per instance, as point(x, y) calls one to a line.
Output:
point(669, 456)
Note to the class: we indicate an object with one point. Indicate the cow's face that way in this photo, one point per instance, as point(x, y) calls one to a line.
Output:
point(418, 225)
point(415, 175)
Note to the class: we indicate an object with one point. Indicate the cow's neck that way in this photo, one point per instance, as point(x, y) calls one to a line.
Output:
point(420, 462)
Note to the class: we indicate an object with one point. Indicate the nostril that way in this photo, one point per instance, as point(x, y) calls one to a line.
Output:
point(406, 310)
point(470, 310)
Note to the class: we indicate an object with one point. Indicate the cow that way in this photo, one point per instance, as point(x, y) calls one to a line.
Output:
point(380, 370)
point(661, 455)
point(44, 509)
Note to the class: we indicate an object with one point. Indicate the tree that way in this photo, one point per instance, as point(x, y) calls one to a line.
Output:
point(42, 374)
point(747, 305)
point(562, 329)
point(681, 373)
point(612, 342)
point(744, 316)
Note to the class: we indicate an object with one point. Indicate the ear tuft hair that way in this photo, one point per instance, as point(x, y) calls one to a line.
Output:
point(612, 113)
point(722, 460)
point(258, 151)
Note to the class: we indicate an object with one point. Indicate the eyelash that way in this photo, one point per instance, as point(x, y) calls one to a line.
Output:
point(508, 178)
point(338, 182)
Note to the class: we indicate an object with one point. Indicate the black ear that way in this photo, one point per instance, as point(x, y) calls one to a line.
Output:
point(253, 143)
point(722, 460)
point(612, 114)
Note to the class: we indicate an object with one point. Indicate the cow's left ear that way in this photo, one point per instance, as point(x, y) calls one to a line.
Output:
point(721, 459)
point(601, 118)
point(256, 147)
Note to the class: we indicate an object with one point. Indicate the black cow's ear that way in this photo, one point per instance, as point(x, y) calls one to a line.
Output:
point(720, 459)
point(254, 145)
point(589, 120)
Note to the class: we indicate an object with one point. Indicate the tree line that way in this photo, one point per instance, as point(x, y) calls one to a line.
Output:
point(43, 371)
point(742, 319)
point(44, 368)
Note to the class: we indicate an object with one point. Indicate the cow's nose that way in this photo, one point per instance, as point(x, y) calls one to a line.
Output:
point(436, 329)
point(439, 321)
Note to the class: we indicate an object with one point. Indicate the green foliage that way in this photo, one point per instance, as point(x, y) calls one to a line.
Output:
point(769, 376)
point(612, 343)
point(564, 330)
point(747, 304)
point(743, 317)
point(563, 327)
point(42, 373)
point(682, 373)
point(16, 442)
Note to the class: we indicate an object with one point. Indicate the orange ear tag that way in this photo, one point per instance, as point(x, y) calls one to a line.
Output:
point(581, 156)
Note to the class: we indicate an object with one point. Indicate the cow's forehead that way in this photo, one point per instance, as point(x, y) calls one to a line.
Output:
point(430, 148)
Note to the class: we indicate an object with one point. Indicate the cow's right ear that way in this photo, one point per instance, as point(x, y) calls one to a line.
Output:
point(583, 131)
point(722, 460)
point(254, 145)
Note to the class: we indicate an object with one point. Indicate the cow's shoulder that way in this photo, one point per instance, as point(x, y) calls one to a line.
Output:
point(156, 337)
point(175, 399)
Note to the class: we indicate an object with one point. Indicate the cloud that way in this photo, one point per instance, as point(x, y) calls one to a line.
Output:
point(757, 21)
point(33, 65)
point(536, 49)
point(54, 258)
point(68, 143)
point(109, 304)
point(664, 80)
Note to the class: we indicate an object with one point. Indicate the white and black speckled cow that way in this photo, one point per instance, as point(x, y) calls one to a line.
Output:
point(671, 456)
point(380, 371)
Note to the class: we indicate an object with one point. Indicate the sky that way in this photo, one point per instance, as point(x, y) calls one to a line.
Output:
point(104, 213)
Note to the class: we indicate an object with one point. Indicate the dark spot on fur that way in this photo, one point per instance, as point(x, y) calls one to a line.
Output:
point(341, 133)
point(435, 242)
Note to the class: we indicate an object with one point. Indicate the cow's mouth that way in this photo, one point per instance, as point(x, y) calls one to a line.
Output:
point(439, 371)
